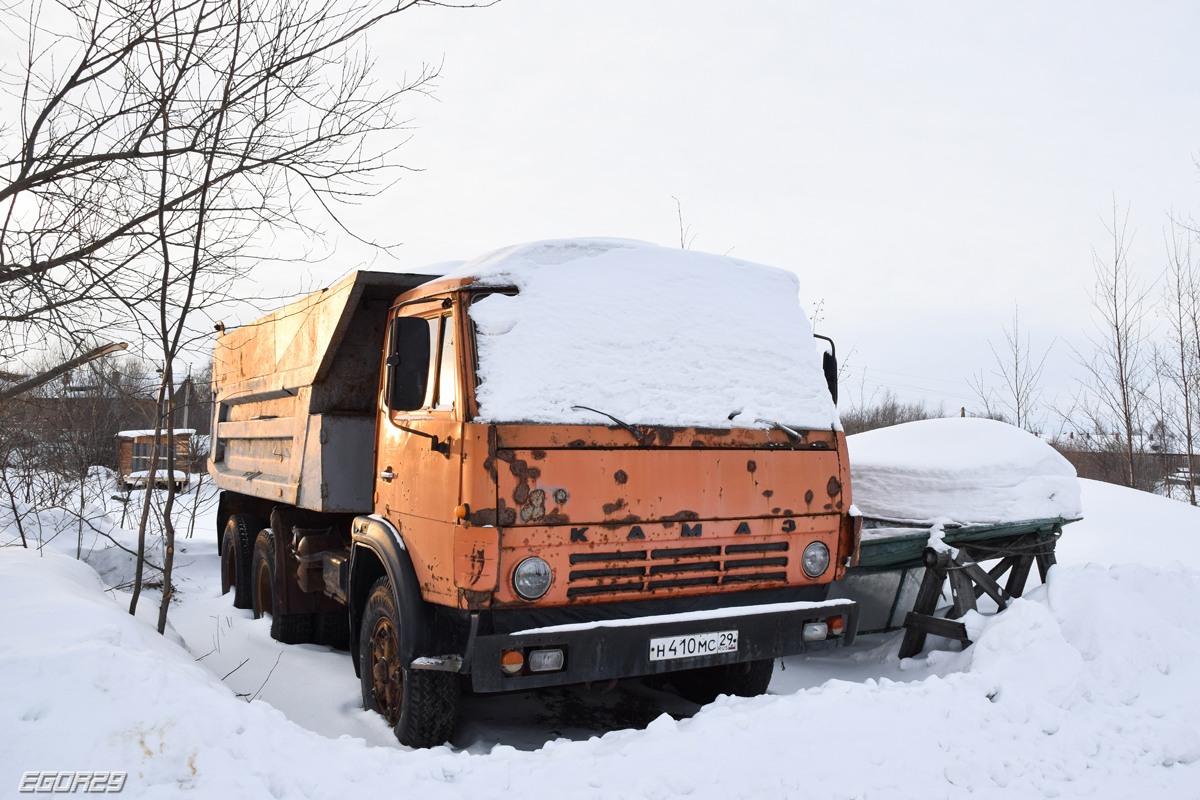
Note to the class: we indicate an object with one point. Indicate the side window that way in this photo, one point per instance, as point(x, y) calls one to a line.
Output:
point(411, 357)
point(447, 367)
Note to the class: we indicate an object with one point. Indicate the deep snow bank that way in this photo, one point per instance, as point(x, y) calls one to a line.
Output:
point(960, 470)
point(1089, 687)
point(651, 335)
point(1121, 525)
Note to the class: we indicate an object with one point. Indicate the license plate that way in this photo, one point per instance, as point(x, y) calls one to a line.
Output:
point(697, 644)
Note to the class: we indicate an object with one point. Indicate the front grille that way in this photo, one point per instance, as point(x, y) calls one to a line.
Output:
point(609, 573)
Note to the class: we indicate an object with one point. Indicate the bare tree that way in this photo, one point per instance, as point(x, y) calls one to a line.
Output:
point(1180, 306)
point(1020, 372)
point(1116, 370)
point(161, 141)
point(885, 411)
point(272, 105)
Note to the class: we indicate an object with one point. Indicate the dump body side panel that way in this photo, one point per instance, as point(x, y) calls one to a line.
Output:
point(295, 397)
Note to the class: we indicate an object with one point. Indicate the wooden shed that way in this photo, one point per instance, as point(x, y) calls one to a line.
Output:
point(135, 455)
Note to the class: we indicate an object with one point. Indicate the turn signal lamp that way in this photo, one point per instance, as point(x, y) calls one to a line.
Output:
point(463, 511)
point(512, 661)
point(837, 626)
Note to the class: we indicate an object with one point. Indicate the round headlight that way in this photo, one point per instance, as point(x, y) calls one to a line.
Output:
point(531, 578)
point(815, 560)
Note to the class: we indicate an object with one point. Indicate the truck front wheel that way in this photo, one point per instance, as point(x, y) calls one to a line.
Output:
point(237, 545)
point(420, 705)
point(747, 679)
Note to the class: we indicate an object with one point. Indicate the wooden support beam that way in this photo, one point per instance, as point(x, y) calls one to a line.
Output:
point(947, 628)
point(925, 605)
point(1018, 577)
point(985, 582)
point(1045, 560)
point(963, 591)
point(995, 572)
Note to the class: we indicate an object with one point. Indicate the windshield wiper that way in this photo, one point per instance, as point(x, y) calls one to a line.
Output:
point(639, 435)
point(780, 426)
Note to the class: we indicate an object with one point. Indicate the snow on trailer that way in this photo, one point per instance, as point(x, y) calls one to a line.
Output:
point(938, 497)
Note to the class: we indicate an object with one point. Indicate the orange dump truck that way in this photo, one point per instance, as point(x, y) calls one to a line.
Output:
point(404, 475)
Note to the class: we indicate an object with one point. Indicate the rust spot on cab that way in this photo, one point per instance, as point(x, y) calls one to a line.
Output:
point(471, 599)
point(612, 508)
point(663, 436)
point(768, 493)
point(538, 455)
point(534, 508)
point(620, 477)
point(808, 497)
point(834, 486)
point(681, 516)
point(751, 466)
point(483, 516)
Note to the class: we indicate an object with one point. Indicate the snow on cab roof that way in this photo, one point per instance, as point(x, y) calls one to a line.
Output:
point(963, 470)
point(651, 335)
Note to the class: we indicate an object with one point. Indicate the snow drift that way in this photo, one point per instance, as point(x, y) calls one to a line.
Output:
point(963, 470)
point(1090, 686)
point(649, 334)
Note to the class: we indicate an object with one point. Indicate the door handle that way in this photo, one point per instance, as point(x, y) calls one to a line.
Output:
point(387, 474)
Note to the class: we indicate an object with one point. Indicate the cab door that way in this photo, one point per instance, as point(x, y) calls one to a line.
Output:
point(419, 448)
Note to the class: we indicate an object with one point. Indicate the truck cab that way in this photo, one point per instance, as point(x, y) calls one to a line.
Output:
point(524, 524)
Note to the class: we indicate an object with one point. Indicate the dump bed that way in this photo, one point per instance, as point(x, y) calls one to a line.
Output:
point(295, 396)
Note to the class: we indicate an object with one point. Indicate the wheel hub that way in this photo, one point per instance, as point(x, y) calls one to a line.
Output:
point(386, 675)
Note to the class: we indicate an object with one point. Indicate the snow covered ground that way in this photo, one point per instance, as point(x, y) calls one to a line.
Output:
point(1088, 687)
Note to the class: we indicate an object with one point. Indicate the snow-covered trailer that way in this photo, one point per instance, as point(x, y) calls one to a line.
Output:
point(972, 502)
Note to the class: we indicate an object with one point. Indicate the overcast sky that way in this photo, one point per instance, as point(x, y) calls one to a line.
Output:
point(921, 166)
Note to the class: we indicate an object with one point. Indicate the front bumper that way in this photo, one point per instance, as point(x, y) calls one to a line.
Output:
point(604, 650)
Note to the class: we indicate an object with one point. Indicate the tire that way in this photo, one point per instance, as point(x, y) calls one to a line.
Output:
point(747, 679)
point(420, 705)
point(292, 628)
point(332, 629)
point(237, 552)
point(262, 575)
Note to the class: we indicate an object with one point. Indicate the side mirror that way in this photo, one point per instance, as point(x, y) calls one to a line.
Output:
point(408, 364)
point(829, 367)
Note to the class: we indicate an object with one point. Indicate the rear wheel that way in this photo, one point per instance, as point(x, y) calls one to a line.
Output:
point(263, 574)
point(420, 705)
point(237, 546)
point(747, 679)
